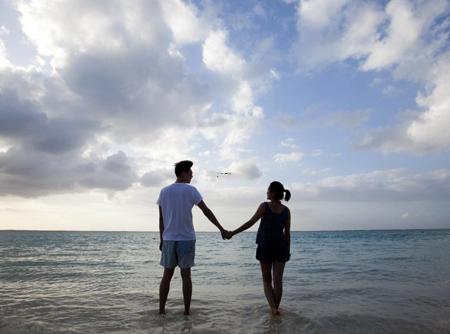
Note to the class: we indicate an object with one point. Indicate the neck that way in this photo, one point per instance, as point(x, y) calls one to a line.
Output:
point(179, 180)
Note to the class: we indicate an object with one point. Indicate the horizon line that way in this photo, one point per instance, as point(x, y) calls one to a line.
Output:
point(156, 231)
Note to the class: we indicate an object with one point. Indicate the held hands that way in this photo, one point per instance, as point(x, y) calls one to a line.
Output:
point(227, 234)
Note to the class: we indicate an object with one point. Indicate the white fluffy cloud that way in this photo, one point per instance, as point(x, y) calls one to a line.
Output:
point(218, 56)
point(113, 83)
point(379, 185)
point(431, 130)
point(406, 37)
point(4, 62)
point(244, 115)
point(247, 169)
point(319, 13)
point(287, 157)
point(184, 22)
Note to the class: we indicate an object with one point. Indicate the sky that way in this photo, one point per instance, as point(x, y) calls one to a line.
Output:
point(347, 103)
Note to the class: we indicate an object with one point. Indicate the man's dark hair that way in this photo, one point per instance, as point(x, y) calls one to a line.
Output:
point(183, 166)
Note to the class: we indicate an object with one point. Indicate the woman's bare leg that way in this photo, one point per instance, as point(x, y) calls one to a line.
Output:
point(266, 269)
point(278, 269)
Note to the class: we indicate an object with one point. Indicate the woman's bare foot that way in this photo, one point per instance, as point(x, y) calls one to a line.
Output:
point(187, 312)
point(275, 311)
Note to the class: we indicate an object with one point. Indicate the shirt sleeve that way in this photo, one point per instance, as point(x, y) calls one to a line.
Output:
point(196, 197)
point(158, 201)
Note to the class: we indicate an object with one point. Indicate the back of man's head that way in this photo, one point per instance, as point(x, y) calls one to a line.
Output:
point(183, 166)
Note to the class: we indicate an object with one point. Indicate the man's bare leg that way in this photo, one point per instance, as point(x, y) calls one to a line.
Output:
point(278, 269)
point(164, 288)
point(187, 290)
point(266, 269)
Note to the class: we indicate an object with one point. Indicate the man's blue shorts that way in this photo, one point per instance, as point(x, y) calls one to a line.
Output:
point(178, 253)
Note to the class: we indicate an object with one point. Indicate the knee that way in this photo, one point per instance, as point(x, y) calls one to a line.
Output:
point(186, 275)
point(267, 279)
point(278, 282)
point(168, 274)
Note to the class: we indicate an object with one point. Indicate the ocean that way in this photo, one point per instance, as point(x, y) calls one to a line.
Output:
point(394, 281)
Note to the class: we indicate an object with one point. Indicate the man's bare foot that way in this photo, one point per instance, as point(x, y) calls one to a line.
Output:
point(275, 311)
point(187, 312)
point(162, 312)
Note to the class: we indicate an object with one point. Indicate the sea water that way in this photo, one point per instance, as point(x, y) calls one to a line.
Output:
point(336, 282)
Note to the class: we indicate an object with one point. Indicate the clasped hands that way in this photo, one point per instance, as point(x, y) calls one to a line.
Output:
point(227, 234)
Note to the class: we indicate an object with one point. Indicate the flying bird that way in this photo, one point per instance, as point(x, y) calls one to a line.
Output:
point(221, 173)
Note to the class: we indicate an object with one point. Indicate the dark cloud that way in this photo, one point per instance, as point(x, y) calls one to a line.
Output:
point(23, 122)
point(157, 178)
point(137, 89)
point(63, 135)
point(113, 76)
point(127, 92)
point(31, 173)
point(17, 118)
point(112, 173)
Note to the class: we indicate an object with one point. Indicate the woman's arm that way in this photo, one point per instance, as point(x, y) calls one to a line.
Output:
point(287, 231)
point(258, 214)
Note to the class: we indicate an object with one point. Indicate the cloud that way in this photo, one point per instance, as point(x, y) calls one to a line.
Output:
point(405, 37)
point(319, 13)
point(320, 119)
point(379, 185)
point(245, 169)
point(156, 178)
point(289, 143)
point(430, 131)
point(234, 71)
point(116, 78)
point(29, 173)
point(402, 33)
point(184, 22)
point(287, 157)
point(217, 56)
point(4, 31)
point(114, 172)
point(376, 37)
point(424, 131)
point(4, 62)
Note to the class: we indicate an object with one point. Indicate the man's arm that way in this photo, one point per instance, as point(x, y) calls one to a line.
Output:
point(161, 227)
point(210, 215)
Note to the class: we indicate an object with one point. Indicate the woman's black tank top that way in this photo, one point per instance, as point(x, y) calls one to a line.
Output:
point(270, 231)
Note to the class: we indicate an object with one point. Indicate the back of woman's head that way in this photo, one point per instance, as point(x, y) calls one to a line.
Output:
point(279, 191)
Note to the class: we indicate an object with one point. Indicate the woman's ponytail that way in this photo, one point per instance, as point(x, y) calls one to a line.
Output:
point(287, 195)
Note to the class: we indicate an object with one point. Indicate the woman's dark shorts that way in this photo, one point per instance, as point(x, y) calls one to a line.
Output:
point(272, 253)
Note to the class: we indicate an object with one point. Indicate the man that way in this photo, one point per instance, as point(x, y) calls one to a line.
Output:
point(177, 234)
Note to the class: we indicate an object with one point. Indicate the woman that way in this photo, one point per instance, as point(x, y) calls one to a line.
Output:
point(274, 241)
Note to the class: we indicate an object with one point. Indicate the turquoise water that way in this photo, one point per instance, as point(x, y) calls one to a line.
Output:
point(336, 282)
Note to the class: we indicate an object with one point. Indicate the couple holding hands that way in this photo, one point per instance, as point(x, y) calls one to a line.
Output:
point(177, 236)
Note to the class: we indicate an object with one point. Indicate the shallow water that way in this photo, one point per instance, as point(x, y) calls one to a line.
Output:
point(336, 282)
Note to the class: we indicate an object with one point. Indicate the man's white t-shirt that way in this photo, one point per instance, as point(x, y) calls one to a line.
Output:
point(176, 202)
